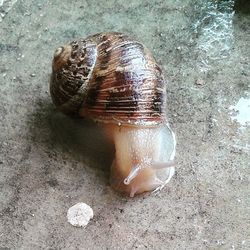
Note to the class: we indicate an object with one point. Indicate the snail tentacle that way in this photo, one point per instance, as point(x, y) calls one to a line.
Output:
point(161, 165)
point(132, 174)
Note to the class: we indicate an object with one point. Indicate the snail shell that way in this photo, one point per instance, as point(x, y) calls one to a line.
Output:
point(113, 79)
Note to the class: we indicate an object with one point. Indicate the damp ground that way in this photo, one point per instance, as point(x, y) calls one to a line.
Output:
point(49, 162)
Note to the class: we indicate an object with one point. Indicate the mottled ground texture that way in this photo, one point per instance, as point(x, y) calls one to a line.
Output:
point(49, 162)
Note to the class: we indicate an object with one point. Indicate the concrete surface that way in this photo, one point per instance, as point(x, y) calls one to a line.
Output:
point(49, 162)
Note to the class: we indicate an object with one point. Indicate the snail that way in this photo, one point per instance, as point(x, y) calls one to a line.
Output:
point(114, 80)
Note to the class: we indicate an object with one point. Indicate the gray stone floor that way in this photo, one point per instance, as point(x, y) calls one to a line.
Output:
point(49, 162)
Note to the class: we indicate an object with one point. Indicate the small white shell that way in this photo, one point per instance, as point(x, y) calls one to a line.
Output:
point(80, 214)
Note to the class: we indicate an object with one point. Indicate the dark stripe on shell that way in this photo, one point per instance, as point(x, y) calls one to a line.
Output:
point(134, 87)
point(126, 83)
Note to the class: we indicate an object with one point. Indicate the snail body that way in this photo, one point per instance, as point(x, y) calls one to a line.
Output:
point(114, 80)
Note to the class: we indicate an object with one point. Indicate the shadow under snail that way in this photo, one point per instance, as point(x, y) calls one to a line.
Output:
point(114, 80)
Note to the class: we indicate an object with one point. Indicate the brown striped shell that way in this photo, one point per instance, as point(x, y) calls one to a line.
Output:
point(109, 77)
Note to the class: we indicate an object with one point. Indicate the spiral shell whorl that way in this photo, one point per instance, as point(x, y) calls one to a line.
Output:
point(71, 70)
point(109, 77)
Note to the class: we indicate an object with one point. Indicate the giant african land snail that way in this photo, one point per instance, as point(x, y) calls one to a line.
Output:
point(114, 80)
